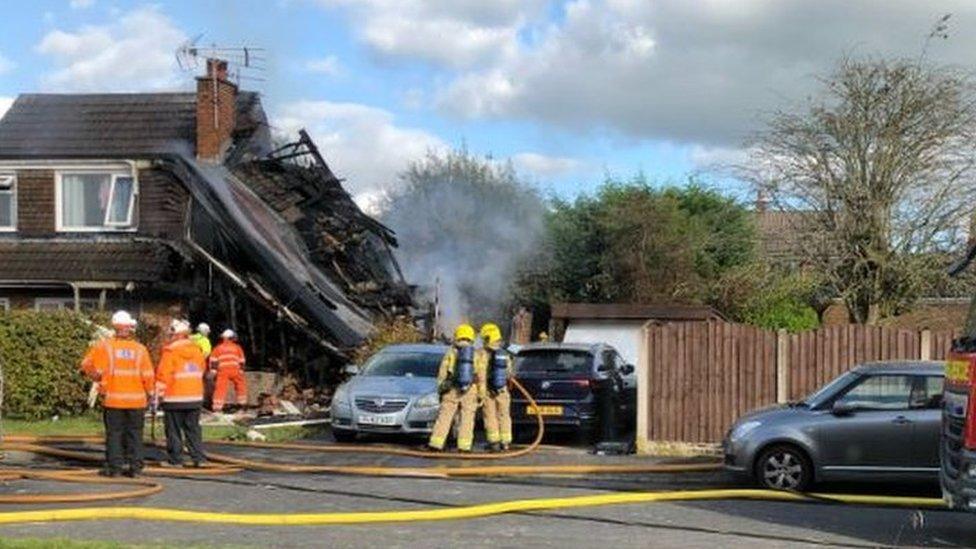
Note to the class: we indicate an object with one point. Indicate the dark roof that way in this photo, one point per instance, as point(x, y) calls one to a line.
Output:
point(902, 367)
point(84, 260)
point(631, 311)
point(108, 125)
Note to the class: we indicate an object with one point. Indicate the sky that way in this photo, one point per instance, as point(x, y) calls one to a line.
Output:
point(570, 91)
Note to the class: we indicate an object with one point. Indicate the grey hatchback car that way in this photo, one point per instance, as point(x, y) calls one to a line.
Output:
point(879, 420)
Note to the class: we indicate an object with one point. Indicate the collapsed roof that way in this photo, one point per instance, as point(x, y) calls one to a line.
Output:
point(278, 223)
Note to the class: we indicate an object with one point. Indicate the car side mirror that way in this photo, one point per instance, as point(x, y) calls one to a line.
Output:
point(627, 369)
point(841, 409)
point(351, 369)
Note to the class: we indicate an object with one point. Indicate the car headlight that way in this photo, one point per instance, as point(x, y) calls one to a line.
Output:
point(743, 429)
point(428, 401)
point(341, 396)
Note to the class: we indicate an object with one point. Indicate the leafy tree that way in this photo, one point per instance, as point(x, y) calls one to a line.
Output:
point(882, 165)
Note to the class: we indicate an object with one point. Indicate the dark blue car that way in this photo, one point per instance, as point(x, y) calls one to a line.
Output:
point(568, 382)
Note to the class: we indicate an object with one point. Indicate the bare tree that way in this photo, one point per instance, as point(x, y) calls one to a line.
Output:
point(882, 168)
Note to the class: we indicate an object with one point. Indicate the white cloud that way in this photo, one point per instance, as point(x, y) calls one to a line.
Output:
point(455, 33)
point(133, 53)
point(693, 72)
point(362, 144)
point(81, 4)
point(545, 166)
point(5, 103)
point(6, 65)
point(327, 65)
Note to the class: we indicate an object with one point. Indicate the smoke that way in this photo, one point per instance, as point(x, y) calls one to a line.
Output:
point(466, 225)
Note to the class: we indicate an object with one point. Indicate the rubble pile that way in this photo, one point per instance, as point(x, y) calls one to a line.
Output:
point(352, 248)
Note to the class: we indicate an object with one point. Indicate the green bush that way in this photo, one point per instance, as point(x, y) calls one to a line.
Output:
point(40, 354)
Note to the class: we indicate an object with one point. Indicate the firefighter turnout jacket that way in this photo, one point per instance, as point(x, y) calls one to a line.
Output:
point(124, 371)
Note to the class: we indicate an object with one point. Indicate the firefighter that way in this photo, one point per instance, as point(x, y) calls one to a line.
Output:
point(495, 361)
point(459, 385)
point(124, 371)
point(179, 381)
point(202, 338)
point(227, 359)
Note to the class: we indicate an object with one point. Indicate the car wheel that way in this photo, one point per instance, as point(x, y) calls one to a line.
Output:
point(784, 467)
point(344, 436)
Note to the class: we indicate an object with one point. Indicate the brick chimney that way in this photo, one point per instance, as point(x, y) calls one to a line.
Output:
point(216, 111)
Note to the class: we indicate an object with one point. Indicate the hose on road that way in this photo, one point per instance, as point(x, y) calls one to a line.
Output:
point(452, 513)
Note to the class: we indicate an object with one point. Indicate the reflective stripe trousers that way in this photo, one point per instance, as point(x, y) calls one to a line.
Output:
point(497, 415)
point(226, 377)
point(451, 401)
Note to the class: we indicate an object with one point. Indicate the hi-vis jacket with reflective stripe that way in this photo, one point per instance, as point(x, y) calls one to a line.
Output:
point(126, 372)
point(179, 378)
point(227, 355)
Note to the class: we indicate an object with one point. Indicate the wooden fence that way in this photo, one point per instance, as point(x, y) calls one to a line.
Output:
point(695, 378)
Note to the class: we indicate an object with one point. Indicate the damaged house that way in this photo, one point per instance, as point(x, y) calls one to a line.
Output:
point(178, 204)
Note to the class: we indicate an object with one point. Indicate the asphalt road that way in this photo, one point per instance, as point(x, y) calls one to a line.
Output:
point(693, 524)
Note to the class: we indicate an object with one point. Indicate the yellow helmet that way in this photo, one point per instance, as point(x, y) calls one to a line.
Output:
point(490, 333)
point(464, 331)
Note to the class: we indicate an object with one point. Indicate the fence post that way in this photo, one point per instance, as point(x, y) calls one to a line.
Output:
point(925, 345)
point(782, 366)
point(643, 387)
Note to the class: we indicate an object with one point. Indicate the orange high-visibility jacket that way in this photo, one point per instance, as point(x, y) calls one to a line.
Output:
point(179, 378)
point(126, 370)
point(227, 355)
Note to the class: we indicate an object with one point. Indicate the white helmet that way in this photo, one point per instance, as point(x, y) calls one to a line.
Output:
point(179, 326)
point(123, 319)
point(203, 328)
point(228, 334)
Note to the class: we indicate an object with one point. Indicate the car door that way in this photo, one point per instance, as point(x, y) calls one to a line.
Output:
point(875, 431)
point(926, 416)
point(628, 384)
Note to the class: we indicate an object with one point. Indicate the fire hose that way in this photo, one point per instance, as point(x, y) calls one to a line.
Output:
point(225, 464)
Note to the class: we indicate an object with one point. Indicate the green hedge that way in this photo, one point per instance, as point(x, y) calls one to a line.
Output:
point(40, 354)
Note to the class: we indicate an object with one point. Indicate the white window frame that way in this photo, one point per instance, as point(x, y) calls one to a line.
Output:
point(63, 304)
point(130, 226)
point(5, 304)
point(13, 203)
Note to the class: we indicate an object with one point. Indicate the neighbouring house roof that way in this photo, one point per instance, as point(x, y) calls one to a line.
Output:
point(84, 260)
point(109, 125)
point(632, 311)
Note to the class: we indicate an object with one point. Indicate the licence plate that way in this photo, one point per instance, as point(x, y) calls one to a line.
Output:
point(544, 410)
point(371, 419)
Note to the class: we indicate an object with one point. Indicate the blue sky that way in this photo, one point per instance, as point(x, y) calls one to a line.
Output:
point(569, 90)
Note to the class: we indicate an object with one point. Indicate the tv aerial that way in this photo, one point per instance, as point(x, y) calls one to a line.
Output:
point(240, 59)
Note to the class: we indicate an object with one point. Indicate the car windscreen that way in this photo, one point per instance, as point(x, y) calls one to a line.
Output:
point(403, 365)
point(554, 361)
point(830, 389)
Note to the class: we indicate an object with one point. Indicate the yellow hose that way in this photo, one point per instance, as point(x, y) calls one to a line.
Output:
point(454, 513)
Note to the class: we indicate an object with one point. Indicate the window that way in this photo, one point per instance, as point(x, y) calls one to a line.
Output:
point(94, 201)
point(8, 202)
point(880, 393)
point(927, 394)
point(554, 361)
point(5, 304)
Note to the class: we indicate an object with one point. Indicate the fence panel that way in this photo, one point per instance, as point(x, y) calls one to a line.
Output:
point(703, 375)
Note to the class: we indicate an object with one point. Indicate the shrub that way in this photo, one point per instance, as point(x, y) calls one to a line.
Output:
point(40, 354)
point(388, 332)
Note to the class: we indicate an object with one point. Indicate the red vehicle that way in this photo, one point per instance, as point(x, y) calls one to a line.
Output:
point(958, 440)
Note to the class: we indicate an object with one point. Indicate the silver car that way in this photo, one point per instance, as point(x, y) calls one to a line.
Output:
point(879, 420)
point(395, 391)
